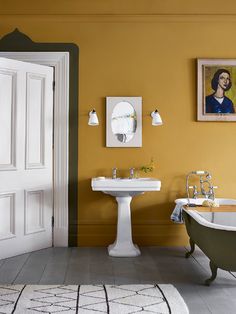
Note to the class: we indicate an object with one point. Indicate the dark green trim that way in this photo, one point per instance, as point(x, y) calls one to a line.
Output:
point(17, 41)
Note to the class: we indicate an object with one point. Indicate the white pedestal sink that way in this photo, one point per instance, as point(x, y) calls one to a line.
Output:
point(123, 190)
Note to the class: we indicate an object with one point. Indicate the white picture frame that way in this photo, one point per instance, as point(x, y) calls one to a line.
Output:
point(123, 121)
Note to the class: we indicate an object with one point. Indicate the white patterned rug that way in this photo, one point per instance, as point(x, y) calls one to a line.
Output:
point(91, 299)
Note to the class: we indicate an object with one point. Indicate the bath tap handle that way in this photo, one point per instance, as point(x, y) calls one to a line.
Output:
point(213, 187)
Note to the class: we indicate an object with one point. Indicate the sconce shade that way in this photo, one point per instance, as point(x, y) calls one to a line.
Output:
point(93, 118)
point(156, 118)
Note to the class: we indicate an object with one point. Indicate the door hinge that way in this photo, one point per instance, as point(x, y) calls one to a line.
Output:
point(53, 85)
point(52, 221)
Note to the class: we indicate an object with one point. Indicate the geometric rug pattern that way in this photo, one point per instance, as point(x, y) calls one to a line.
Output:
point(91, 299)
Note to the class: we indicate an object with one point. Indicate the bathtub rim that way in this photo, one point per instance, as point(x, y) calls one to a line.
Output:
point(202, 221)
point(199, 201)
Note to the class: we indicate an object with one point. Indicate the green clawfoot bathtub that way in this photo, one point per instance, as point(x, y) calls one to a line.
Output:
point(215, 234)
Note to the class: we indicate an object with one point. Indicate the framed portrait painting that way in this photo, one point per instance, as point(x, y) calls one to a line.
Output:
point(216, 89)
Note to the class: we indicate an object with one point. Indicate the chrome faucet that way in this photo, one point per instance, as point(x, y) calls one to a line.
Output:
point(205, 179)
point(210, 193)
point(131, 174)
point(114, 173)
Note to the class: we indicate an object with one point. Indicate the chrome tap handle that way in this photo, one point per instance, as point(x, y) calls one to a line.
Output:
point(114, 173)
point(213, 187)
point(211, 193)
point(131, 175)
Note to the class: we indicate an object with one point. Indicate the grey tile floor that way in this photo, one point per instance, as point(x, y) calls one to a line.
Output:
point(155, 265)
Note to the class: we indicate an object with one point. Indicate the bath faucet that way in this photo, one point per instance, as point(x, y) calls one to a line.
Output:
point(114, 173)
point(210, 193)
point(206, 187)
point(131, 174)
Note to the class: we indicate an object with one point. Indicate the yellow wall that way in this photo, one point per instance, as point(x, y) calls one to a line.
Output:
point(149, 49)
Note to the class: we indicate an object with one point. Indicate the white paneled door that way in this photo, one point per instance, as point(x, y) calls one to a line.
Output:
point(26, 187)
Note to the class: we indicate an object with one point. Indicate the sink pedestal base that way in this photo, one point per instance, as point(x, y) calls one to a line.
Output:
point(123, 245)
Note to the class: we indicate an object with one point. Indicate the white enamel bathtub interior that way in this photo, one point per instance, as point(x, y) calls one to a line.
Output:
point(217, 220)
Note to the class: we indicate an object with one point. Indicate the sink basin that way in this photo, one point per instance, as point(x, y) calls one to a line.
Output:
point(125, 187)
point(123, 190)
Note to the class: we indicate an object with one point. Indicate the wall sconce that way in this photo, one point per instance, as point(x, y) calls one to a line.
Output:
point(93, 118)
point(156, 118)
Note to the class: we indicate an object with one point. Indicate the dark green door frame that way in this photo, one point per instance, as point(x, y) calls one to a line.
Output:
point(16, 42)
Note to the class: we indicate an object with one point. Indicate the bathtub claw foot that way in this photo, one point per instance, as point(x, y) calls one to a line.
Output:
point(192, 245)
point(213, 274)
point(187, 254)
point(208, 282)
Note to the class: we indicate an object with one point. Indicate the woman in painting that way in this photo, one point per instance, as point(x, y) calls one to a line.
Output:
point(218, 102)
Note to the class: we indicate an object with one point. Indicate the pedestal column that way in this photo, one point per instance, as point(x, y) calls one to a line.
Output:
point(123, 245)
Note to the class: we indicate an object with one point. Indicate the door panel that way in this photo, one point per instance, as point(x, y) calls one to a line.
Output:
point(34, 211)
point(26, 188)
point(7, 120)
point(35, 121)
point(7, 214)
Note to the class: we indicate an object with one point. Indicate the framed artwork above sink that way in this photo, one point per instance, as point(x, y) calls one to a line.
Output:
point(124, 121)
point(216, 89)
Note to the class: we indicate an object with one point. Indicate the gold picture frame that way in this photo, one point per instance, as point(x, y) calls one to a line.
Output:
point(216, 90)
